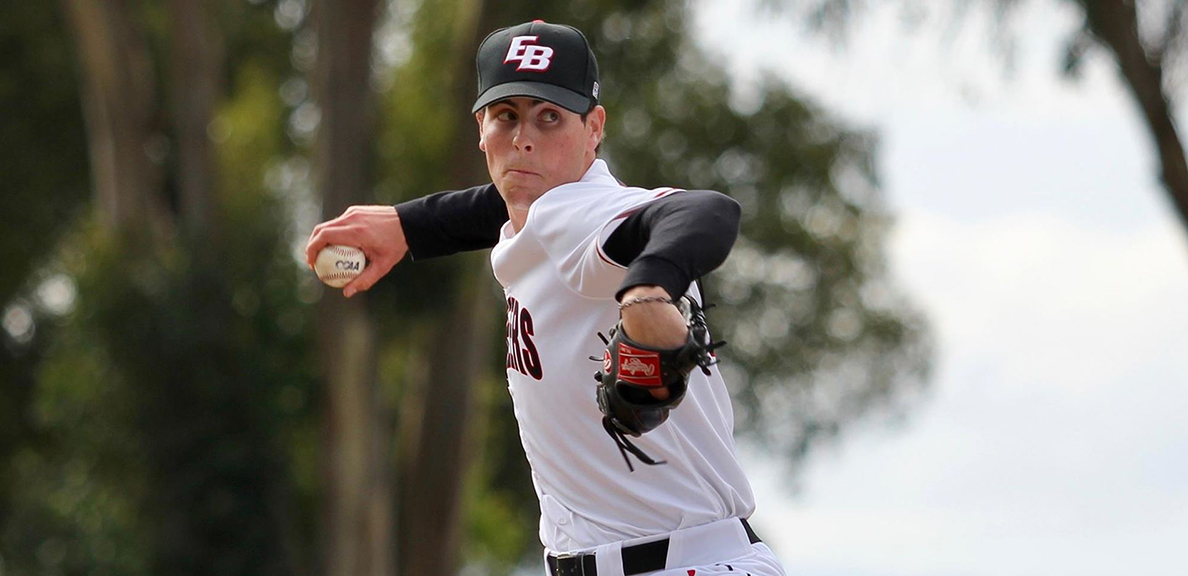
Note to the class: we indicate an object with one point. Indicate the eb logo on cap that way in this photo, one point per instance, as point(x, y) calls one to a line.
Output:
point(531, 56)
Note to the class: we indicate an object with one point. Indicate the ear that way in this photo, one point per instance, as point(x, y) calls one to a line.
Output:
point(595, 123)
point(478, 116)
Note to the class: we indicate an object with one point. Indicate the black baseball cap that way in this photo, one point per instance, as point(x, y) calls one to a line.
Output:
point(551, 62)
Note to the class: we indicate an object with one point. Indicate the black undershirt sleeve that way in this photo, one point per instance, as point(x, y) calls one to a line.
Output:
point(670, 242)
point(450, 222)
point(675, 240)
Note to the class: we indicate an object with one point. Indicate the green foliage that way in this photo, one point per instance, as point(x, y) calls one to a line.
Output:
point(168, 408)
point(74, 508)
point(502, 511)
point(44, 182)
point(168, 403)
point(213, 351)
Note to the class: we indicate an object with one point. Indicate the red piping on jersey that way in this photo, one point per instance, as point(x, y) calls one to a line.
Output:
point(607, 259)
point(659, 194)
point(626, 214)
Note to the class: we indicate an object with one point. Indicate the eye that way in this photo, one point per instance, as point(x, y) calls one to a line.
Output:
point(550, 116)
point(505, 115)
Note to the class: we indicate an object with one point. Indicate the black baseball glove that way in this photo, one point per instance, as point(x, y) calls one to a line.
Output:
point(630, 371)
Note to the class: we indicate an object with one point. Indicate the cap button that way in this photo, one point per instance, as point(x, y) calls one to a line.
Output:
point(538, 21)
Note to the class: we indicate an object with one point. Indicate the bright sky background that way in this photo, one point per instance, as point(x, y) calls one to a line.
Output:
point(1032, 230)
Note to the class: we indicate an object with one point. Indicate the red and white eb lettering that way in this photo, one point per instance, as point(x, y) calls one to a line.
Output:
point(529, 54)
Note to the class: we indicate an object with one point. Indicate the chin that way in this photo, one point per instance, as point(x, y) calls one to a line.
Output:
point(520, 195)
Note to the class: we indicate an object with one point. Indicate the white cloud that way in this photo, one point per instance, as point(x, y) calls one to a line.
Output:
point(1042, 287)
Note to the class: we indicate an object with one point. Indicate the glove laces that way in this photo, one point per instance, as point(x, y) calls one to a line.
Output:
point(626, 446)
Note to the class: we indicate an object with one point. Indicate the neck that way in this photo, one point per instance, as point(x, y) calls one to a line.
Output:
point(518, 217)
point(518, 212)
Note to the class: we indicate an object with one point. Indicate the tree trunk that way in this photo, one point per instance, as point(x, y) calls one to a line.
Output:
point(117, 96)
point(436, 451)
point(358, 537)
point(196, 62)
point(436, 443)
point(1115, 23)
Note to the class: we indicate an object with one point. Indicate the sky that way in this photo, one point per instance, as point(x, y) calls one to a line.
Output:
point(1032, 231)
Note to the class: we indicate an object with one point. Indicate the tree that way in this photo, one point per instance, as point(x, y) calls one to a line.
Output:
point(176, 374)
point(437, 450)
point(45, 187)
point(1142, 60)
point(1145, 39)
point(359, 527)
point(118, 96)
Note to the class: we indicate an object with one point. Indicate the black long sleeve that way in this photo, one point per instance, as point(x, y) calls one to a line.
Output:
point(450, 222)
point(675, 240)
point(670, 242)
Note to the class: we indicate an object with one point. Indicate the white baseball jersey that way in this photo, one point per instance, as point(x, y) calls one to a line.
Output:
point(559, 288)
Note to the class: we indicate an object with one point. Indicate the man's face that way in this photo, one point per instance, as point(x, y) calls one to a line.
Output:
point(533, 146)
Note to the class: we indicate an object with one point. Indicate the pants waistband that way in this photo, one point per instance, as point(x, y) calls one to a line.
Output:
point(705, 544)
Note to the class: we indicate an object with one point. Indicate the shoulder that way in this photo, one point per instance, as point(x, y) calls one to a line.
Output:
point(592, 203)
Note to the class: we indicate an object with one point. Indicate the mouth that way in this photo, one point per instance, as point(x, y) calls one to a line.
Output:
point(520, 171)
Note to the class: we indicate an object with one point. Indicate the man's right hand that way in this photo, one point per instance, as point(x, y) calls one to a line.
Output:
point(374, 229)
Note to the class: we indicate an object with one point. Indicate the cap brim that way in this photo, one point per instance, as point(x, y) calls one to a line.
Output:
point(562, 97)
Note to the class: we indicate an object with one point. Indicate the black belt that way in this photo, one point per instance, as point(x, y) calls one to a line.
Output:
point(636, 559)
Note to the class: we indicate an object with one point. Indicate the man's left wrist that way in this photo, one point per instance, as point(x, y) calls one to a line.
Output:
point(645, 290)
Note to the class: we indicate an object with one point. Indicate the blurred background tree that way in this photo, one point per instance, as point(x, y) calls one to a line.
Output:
point(1146, 39)
point(185, 399)
point(168, 412)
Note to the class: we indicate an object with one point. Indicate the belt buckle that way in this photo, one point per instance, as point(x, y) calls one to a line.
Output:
point(569, 564)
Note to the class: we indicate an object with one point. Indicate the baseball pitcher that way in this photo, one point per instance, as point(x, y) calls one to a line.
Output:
point(624, 417)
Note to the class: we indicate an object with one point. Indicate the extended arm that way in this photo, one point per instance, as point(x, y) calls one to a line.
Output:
point(435, 225)
point(450, 222)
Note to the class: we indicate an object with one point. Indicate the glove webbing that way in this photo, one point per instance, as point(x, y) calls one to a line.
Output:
point(626, 446)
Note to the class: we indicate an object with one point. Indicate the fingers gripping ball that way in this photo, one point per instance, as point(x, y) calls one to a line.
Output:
point(337, 265)
point(630, 371)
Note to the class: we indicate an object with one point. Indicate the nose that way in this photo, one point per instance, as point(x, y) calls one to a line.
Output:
point(523, 139)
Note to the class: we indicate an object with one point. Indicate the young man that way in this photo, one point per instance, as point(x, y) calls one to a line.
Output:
point(576, 251)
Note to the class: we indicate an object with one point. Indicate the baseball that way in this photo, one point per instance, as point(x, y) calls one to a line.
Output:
point(338, 265)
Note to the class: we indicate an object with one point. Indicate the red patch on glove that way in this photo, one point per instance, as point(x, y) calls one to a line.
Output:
point(639, 367)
